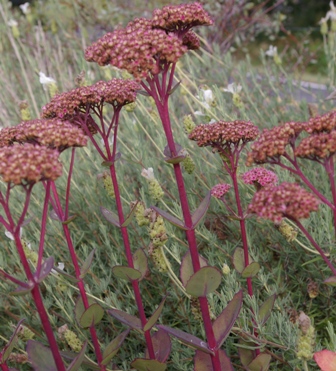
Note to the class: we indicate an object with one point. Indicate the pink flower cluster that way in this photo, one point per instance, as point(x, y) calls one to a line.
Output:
point(219, 190)
point(260, 176)
point(285, 200)
point(322, 123)
point(317, 146)
point(223, 133)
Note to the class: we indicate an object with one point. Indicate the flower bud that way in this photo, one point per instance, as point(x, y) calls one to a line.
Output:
point(189, 164)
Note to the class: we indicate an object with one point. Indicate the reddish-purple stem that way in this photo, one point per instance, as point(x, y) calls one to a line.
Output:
point(329, 167)
point(4, 367)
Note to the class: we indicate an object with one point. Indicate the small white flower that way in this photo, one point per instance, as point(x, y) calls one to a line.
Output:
point(233, 88)
point(25, 8)
point(10, 235)
point(148, 173)
point(199, 113)
point(272, 51)
point(332, 12)
point(207, 96)
point(60, 266)
point(12, 23)
point(324, 19)
point(45, 80)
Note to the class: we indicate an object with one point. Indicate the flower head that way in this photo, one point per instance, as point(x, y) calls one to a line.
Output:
point(321, 123)
point(25, 8)
point(148, 173)
point(219, 190)
point(222, 133)
point(260, 176)
point(317, 146)
point(26, 163)
point(272, 51)
point(233, 88)
point(285, 200)
point(45, 80)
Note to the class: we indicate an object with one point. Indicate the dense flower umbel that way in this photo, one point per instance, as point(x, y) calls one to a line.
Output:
point(317, 146)
point(27, 163)
point(117, 92)
point(219, 190)
point(325, 123)
point(181, 17)
point(52, 133)
point(272, 142)
point(285, 200)
point(222, 133)
point(260, 176)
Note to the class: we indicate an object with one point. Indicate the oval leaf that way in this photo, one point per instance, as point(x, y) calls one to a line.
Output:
point(266, 309)
point(40, 356)
point(187, 270)
point(112, 348)
point(162, 346)
point(22, 290)
point(170, 218)
point(152, 321)
point(331, 281)
point(239, 259)
point(126, 273)
point(175, 159)
point(202, 361)
point(225, 321)
point(201, 210)
point(80, 308)
point(140, 262)
point(70, 219)
point(7, 350)
point(142, 364)
point(110, 216)
point(203, 282)
point(127, 319)
point(91, 316)
point(186, 338)
point(245, 351)
point(87, 264)
point(46, 267)
point(130, 216)
point(77, 362)
point(260, 363)
point(251, 270)
point(326, 359)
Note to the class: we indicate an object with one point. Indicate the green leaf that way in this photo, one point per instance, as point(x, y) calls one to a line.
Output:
point(22, 290)
point(251, 270)
point(171, 91)
point(203, 282)
point(127, 319)
point(112, 348)
point(40, 356)
point(80, 308)
point(7, 350)
point(331, 281)
point(87, 264)
point(46, 267)
point(260, 363)
point(140, 262)
point(246, 355)
point(239, 259)
point(153, 319)
point(202, 361)
point(170, 218)
point(161, 344)
point(142, 364)
point(66, 275)
point(110, 216)
point(266, 309)
point(77, 362)
point(70, 219)
point(186, 269)
point(130, 216)
point(201, 210)
point(126, 273)
point(225, 321)
point(91, 316)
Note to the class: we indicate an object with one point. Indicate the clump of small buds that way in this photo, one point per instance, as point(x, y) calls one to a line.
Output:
point(25, 111)
point(313, 289)
point(157, 230)
point(260, 177)
point(70, 338)
point(108, 185)
point(287, 231)
point(219, 190)
point(188, 164)
point(306, 340)
point(322, 123)
point(317, 146)
point(285, 200)
point(141, 214)
point(154, 189)
point(188, 124)
point(25, 333)
point(158, 258)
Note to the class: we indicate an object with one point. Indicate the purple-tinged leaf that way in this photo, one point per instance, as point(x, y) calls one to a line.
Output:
point(27, 221)
point(175, 160)
point(171, 91)
point(7, 350)
point(54, 216)
point(187, 270)
point(110, 163)
point(112, 348)
point(91, 316)
point(167, 152)
point(70, 356)
point(143, 92)
point(260, 363)
point(155, 316)
point(204, 282)
point(77, 362)
point(69, 220)
point(127, 319)
point(170, 218)
point(225, 321)
point(187, 339)
point(266, 309)
point(69, 277)
point(87, 264)
point(22, 290)
point(246, 355)
point(110, 216)
point(40, 356)
point(251, 270)
point(130, 216)
point(126, 273)
point(201, 210)
point(239, 259)
point(46, 267)
point(331, 281)
point(142, 364)
point(202, 361)
point(162, 346)
point(80, 308)
point(140, 262)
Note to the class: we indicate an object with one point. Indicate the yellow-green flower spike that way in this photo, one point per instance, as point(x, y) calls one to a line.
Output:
point(188, 124)
point(189, 164)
